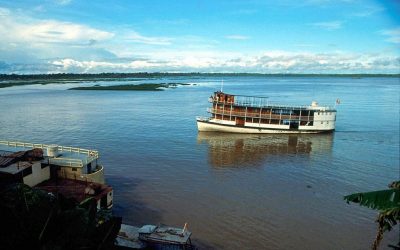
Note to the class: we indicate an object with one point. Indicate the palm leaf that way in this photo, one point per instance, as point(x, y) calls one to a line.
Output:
point(380, 200)
point(387, 201)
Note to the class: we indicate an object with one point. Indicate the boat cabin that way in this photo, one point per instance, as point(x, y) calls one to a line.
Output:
point(247, 114)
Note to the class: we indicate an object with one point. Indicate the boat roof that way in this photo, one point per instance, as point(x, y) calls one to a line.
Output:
point(128, 237)
point(15, 168)
point(167, 234)
point(67, 156)
point(219, 92)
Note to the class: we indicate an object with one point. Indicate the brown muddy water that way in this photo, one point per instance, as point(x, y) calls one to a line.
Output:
point(234, 191)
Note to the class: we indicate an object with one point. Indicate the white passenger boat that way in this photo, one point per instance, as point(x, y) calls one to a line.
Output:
point(252, 114)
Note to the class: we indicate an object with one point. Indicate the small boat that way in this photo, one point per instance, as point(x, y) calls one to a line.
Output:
point(166, 237)
point(128, 238)
point(255, 115)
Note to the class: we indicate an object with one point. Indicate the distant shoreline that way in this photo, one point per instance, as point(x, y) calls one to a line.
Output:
point(74, 76)
point(11, 80)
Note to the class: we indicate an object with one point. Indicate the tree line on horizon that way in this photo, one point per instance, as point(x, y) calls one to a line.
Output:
point(68, 76)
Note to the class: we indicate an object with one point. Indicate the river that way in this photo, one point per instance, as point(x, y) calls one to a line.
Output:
point(234, 191)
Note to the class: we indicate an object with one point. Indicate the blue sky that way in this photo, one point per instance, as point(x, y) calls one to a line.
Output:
point(260, 36)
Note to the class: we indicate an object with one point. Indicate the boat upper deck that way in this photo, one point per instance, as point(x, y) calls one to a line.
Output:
point(67, 156)
point(262, 102)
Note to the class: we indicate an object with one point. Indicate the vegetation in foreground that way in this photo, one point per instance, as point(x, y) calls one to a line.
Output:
point(34, 219)
point(387, 202)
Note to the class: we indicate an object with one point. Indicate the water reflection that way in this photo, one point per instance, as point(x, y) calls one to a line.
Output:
point(237, 150)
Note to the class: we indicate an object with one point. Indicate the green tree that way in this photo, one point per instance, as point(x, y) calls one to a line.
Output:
point(387, 202)
point(34, 219)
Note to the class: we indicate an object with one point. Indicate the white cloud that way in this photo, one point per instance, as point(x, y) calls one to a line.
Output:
point(392, 35)
point(137, 38)
point(323, 3)
point(30, 45)
point(71, 65)
point(267, 62)
point(304, 45)
point(4, 12)
point(334, 25)
point(26, 39)
point(63, 2)
point(39, 8)
point(54, 31)
point(237, 37)
point(368, 11)
point(245, 12)
point(20, 29)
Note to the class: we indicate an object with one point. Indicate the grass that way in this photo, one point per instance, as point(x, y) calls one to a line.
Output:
point(131, 87)
point(22, 82)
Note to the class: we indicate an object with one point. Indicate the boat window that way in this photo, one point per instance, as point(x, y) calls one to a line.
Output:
point(322, 122)
point(74, 169)
point(327, 122)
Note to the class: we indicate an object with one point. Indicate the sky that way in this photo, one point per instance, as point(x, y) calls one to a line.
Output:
point(223, 36)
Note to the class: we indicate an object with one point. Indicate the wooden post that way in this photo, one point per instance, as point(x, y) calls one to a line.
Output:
point(230, 113)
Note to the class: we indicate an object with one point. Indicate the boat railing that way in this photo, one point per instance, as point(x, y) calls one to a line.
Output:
point(257, 102)
point(94, 154)
point(228, 112)
point(97, 176)
point(67, 162)
point(251, 101)
point(201, 118)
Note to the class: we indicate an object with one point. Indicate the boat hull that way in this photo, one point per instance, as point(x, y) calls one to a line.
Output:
point(209, 126)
